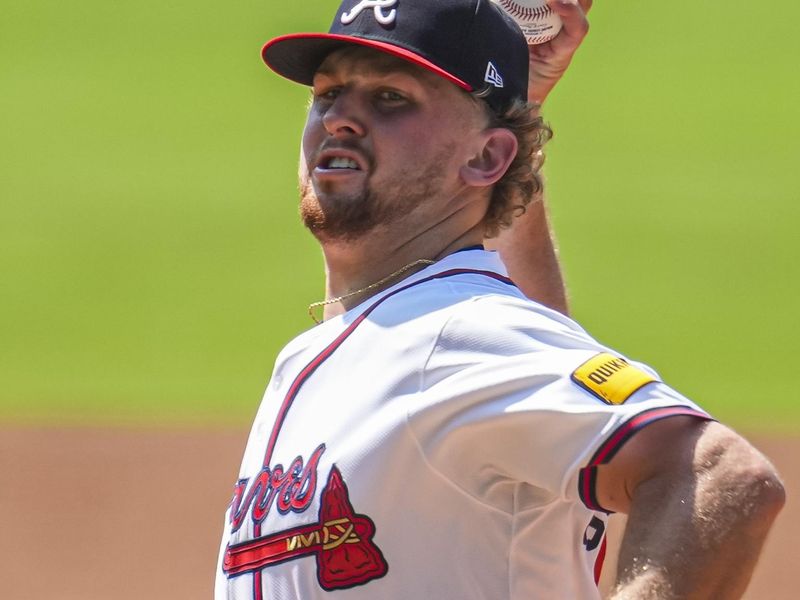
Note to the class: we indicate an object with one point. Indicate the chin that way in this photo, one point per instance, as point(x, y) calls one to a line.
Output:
point(330, 218)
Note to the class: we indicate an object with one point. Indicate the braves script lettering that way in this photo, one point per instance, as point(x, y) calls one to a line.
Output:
point(378, 6)
point(291, 489)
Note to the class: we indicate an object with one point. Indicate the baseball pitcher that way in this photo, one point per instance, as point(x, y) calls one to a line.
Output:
point(440, 435)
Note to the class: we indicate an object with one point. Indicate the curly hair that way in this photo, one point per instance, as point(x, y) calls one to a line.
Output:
point(522, 182)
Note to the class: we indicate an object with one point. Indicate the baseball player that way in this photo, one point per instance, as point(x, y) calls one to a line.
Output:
point(440, 435)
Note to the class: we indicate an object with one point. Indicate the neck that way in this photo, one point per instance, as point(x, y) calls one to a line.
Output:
point(354, 265)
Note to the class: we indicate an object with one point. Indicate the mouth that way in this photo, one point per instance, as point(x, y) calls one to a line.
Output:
point(337, 160)
point(341, 162)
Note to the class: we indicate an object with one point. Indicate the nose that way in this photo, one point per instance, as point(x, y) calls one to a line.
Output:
point(345, 117)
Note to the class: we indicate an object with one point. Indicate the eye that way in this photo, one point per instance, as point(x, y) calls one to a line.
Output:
point(328, 94)
point(391, 97)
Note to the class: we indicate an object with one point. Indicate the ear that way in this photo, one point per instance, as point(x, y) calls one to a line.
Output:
point(490, 163)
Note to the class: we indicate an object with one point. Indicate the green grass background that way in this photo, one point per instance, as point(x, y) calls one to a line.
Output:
point(151, 259)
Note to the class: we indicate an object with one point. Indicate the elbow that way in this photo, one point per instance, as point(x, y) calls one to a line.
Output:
point(751, 482)
point(766, 489)
point(763, 499)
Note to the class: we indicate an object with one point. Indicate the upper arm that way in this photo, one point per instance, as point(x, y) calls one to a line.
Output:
point(666, 445)
point(680, 455)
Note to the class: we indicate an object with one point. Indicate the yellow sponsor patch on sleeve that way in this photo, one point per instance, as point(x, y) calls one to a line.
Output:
point(610, 378)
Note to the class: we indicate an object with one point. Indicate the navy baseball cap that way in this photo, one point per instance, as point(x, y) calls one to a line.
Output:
point(471, 43)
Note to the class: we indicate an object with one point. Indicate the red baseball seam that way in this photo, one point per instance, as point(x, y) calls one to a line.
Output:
point(540, 39)
point(525, 12)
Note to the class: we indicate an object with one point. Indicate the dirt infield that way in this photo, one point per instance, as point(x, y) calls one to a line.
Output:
point(96, 514)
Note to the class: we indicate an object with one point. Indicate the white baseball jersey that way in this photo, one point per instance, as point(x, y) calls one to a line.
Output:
point(438, 441)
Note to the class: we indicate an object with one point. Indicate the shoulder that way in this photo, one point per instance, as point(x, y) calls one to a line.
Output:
point(508, 324)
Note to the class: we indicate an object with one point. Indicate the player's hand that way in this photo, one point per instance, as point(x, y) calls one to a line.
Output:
point(549, 61)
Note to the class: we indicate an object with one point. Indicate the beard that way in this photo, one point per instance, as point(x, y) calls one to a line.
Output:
point(346, 217)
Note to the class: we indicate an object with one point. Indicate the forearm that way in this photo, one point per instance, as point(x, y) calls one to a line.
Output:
point(698, 537)
point(528, 250)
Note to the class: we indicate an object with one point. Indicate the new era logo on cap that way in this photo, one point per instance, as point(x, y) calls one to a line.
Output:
point(378, 5)
point(493, 76)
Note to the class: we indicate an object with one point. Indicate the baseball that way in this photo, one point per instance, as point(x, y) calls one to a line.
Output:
point(536, 19)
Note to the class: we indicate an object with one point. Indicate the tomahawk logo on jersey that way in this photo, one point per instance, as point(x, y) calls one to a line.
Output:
point(340, 540)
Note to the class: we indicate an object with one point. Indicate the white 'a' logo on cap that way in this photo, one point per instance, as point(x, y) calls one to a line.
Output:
point(378, 5)
point(493, 76)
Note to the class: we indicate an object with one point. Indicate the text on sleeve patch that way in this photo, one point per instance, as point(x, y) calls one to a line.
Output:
point(610, 378)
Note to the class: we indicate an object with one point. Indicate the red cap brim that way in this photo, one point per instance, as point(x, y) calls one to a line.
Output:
point(297, 56)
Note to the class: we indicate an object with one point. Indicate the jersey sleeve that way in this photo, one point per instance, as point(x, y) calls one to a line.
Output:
point(520, 396)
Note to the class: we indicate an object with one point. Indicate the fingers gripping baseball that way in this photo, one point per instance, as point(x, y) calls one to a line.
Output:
point(573, 16)
point(549, 61)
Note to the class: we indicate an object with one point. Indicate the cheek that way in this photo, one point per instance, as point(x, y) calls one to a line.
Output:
point(305, 151)
point(419, 138)
point(405, 146)
point(303, 175)
point(313, 136)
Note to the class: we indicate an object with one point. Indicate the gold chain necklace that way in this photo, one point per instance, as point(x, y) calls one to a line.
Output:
point(372, 286)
